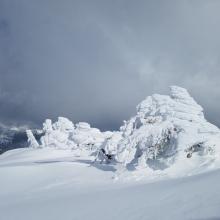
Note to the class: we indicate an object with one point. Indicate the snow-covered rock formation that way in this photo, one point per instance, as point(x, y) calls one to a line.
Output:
point(166, 129)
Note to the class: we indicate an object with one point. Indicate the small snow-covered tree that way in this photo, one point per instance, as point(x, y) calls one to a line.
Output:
point(150, 141)
point(58, 134)
point(32, 142)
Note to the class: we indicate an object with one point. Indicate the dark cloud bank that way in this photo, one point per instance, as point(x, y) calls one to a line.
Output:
point(96, 60)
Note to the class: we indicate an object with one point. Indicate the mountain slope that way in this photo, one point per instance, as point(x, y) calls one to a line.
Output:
point(54, 184)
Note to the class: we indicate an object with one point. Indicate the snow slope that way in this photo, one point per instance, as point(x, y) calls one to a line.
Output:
point(52, 184)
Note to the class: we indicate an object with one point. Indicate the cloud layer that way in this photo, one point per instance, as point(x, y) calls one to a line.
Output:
point(95, 60)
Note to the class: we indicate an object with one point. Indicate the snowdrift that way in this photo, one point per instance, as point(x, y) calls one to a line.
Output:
point(168, 131)
point(52, 184)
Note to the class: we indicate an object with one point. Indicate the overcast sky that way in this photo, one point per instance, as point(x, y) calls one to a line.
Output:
point(95, 60)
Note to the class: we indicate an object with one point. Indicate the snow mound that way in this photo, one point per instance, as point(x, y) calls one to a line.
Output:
point(168, 131)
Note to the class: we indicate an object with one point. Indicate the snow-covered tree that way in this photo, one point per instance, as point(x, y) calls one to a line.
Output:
point(32, 142)
point(58, 134)
point(64, 134)
point(165, 127)
point(87, 137)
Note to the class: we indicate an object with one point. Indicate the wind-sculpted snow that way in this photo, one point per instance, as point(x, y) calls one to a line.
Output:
point(167, 130)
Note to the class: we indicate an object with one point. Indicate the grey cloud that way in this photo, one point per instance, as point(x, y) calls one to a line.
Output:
point(95, 60)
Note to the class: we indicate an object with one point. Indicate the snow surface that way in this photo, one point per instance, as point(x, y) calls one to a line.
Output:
point(52, 184)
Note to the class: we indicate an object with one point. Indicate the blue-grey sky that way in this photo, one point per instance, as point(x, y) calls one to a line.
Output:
point(95, 60)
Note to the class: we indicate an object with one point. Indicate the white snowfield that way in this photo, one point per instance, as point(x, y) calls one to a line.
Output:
point(51, 184)
point(163, 163)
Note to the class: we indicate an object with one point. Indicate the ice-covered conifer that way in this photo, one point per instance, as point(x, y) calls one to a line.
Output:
point(32, 142)
point(166, 126)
